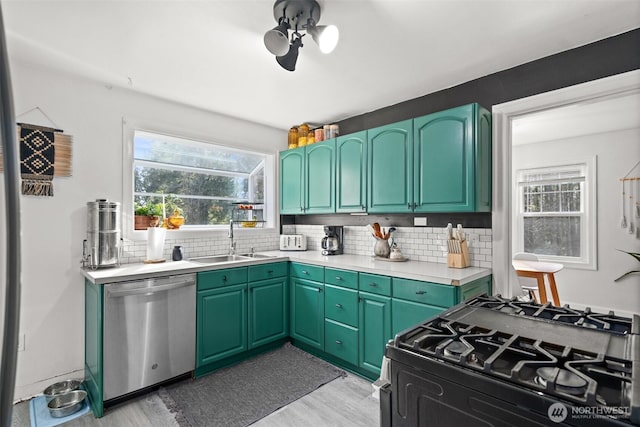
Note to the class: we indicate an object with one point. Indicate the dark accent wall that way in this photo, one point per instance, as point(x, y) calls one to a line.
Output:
point(604, 58)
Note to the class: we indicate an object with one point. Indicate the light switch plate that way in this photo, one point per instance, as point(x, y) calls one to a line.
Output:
point(420, 221)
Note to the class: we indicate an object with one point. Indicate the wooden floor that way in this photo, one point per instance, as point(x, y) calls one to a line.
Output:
point(342, 402)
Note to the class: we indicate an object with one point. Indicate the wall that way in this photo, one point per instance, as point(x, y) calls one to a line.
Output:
point(416, 243)
point(616, 152)
point(53, 228)
point(603, 58)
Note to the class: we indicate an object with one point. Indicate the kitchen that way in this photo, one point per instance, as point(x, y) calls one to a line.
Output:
point(93, 111)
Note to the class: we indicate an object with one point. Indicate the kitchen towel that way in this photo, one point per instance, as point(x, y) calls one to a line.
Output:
point(242, 394)
point(37, 155)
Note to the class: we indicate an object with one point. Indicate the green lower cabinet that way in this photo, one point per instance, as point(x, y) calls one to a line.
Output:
point(474, 289)
point(341, 305)
point(268, 311)
point(341, 341)
point(307, 312)
point(221, 322)
point(406, 314)
point(375, 331)
point(93, 372)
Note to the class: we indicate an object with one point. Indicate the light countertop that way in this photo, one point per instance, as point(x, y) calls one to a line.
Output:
point(416, 270)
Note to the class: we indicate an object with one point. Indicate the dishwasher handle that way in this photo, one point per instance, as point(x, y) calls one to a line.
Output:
point(149, 290)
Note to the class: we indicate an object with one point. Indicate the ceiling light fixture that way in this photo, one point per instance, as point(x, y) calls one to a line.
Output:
point(297, 16)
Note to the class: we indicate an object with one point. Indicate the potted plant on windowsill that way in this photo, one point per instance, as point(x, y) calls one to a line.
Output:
point(146, 216)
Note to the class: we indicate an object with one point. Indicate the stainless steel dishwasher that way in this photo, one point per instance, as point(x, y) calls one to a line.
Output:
point(149, 332)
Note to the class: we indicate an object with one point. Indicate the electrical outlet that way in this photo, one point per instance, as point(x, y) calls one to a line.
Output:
point(21, 339)
point(420, 221)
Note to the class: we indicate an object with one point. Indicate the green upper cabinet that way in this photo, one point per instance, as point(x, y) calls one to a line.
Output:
point(320, 167)
point(440, 162)
point(452, 160)
point(390, 168)
point(351, 172)
point(292, 173)
point(307, 179)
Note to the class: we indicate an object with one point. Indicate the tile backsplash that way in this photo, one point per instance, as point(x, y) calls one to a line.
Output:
point(416, 243)
point(259, 240)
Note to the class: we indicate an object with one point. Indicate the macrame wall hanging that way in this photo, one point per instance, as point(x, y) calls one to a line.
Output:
point(45, 152)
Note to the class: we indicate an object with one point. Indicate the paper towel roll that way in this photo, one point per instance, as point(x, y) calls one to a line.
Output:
point(155, 243)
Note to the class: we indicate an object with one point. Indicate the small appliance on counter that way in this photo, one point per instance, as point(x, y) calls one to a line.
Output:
point(333, 241)
point(103, 245)
point(293, 242)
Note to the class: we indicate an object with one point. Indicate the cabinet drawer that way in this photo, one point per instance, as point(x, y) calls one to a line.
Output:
point(341, 341)
point(307, 271)
point(424, 292)
point(267, 271)
point(345, 278)
point(341, 305)
point(219, 278)
point(475, 288)
point(375, 284)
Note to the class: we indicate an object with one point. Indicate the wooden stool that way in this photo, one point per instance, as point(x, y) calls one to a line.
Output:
point(538, 270)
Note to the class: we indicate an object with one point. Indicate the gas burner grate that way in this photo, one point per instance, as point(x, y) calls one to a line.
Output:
point(576, 375)
point(586, 319)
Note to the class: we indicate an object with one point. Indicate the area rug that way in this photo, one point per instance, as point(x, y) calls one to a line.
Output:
point(242, 394)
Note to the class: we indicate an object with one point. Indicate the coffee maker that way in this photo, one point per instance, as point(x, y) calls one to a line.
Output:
point(333, 241)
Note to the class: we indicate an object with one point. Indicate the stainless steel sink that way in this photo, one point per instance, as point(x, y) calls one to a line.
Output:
point(256, 256)
point(219, 259)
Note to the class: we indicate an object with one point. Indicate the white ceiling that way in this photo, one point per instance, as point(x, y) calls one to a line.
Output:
point(600, 115)
point(210, 54)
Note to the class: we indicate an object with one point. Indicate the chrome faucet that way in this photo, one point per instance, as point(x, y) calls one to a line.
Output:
point(232, 245)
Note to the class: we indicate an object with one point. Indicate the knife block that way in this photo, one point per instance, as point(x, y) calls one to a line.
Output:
point(461, 259)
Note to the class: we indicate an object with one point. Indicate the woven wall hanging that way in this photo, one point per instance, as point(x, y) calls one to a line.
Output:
point(45, 152)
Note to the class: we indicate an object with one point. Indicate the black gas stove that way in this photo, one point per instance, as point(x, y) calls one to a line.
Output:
point(497, 362)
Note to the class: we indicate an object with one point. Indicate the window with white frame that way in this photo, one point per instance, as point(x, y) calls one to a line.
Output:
point(556, 214)
point(203, 180)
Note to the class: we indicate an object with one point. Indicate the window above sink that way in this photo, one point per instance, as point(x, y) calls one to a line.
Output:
point(204, 179)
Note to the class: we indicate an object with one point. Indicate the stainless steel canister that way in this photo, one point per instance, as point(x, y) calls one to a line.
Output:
point(103, 245)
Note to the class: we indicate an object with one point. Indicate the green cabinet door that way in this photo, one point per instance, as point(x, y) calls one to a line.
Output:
point(307, 312)
point(473, 289)
point(268, 311)
point(483, 160)
point(93, 369)
point(319, 181)
point(375, 331)
point(292, 174)
point(221, 317)
point(405, 314)
point(452, 160)
point(351, 172)
point(390, 168)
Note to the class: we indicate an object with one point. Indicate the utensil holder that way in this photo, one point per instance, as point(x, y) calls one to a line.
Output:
point(459, 259)
point(381, 248)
